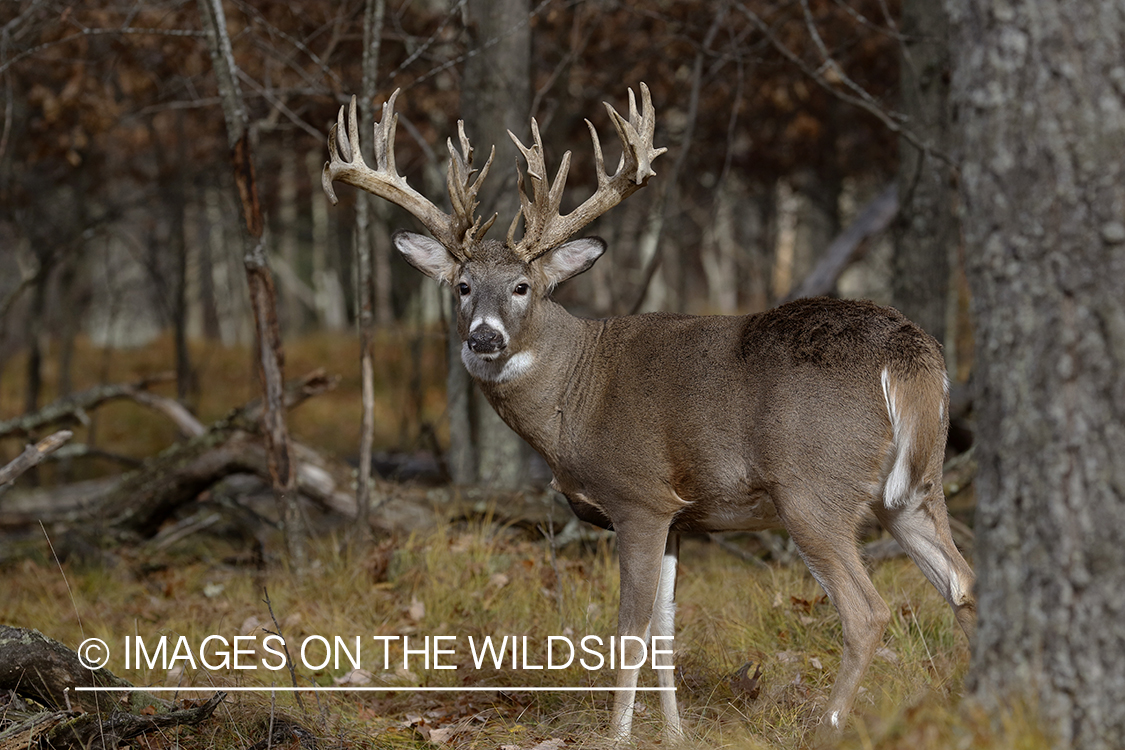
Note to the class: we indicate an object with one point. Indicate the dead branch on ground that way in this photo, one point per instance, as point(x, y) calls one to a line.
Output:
point(72, 409)
point(32, 456)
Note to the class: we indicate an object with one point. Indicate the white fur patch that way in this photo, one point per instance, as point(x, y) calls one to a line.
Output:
point(516, 365)
point(492, 322)
point(664, 610)
point(487, 367)
point(957, 594)
point(896, 491)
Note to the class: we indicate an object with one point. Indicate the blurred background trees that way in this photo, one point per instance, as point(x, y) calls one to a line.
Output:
point(118, 222)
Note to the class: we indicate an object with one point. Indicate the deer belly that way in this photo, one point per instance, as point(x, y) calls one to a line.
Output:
point(737, 511)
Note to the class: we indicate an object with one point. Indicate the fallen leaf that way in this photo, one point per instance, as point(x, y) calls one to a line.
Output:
point(554, 743)
point(786, 657)
point(417, 609)
point(354, 677)
point(745, 684)
point(816, 663)
point(442, 735)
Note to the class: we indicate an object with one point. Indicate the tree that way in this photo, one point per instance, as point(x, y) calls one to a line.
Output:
point(1040, 112)
point(260, 279)
point(495, 98)
point(926, 231)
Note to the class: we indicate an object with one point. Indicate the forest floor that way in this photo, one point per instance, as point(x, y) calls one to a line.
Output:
point(467, 579)
point(480, 580)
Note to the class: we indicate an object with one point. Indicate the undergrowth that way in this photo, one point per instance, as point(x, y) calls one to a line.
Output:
point(481, 580)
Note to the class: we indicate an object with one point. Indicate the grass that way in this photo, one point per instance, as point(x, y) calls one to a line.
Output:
point(476, 579)
point(479, 580)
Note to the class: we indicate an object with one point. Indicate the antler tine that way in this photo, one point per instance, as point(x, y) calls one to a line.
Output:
point(544, 227)
point(542, 207)
point(346, 164)
point(462, 194)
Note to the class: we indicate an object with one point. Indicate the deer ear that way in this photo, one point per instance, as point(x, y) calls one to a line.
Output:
point(426, 254)
point(571, 258)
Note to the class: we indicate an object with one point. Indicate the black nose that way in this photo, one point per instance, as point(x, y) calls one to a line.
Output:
point(486, 340)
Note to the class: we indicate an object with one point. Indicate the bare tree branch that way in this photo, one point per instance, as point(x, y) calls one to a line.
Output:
point(32, 455)
point(875, 217)
point(889, 119)
point(73, 408)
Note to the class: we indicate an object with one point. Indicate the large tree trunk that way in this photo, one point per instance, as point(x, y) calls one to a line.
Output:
point(496, 98)
point(1041, 118)
point(926, 232)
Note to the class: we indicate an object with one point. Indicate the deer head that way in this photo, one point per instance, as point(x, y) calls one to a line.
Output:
point(497, 284)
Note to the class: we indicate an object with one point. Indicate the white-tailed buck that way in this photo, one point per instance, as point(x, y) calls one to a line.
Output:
point(805, 417)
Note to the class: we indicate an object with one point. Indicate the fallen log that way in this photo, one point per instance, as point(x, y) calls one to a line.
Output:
point(40, 669)
point(137, 503)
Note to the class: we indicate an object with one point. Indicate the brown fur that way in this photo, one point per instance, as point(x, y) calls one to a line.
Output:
point(659, 423)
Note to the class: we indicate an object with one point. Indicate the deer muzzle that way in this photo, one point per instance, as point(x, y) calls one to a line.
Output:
point(486, 340)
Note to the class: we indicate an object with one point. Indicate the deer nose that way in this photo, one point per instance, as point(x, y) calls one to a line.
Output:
point(486, 340)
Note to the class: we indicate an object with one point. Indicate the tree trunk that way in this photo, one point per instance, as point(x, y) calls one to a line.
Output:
point(926, 232)
point(1040, 97)
point(263, 295)
point(496, 97)
point(365, 298)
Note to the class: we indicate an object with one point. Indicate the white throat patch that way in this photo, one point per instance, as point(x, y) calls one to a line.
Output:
point(496, 371)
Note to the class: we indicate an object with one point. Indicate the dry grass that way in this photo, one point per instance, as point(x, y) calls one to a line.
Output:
point(476, 580)
point(483, 580)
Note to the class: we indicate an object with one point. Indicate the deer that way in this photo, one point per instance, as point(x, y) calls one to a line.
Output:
point(806, 417)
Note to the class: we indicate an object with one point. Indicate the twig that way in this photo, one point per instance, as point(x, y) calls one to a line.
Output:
point(735, 550)
point(885, 117)
point(73, 408)
point(284, 645)
point(32, 455)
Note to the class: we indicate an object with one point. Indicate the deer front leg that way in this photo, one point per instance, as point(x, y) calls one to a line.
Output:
point(664, 624)
point(640, 551)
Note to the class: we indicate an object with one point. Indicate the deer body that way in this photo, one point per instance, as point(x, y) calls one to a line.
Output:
point(806, 417)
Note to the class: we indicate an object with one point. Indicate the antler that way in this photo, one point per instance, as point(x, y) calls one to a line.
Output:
point(544, 228)
point(457, 231)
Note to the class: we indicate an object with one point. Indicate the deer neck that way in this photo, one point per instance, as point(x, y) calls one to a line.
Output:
point(535, 390)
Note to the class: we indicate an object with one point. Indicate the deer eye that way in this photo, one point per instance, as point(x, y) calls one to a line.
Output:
point(463, 289)
point(521, 289)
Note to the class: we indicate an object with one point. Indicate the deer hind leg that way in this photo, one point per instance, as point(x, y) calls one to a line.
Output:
point(832, 555)
point(641, 544)
point(922, 530)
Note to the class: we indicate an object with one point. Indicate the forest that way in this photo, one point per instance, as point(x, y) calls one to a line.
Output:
point(241, 458)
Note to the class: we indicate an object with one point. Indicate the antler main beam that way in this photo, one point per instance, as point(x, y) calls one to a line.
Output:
point(456, 231)
point(544, 227)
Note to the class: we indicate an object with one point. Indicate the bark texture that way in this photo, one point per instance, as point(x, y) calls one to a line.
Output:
point(263, 295)
point(926, 233)
point(1039, 91)
point(496, 98)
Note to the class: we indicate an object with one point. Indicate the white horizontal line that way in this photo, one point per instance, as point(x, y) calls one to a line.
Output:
point(362, 689)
